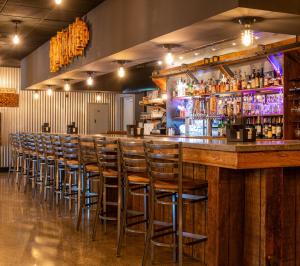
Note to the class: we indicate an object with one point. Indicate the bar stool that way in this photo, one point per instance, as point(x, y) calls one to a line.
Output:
point(49, 178)
point(90, 172)
point(72, 172)
point(136, 183)
point(16, 154)
point(108, 157)
point(59, 166)
point(41, 162)
point(169, 188)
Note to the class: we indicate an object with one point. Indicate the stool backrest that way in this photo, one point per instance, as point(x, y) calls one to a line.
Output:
point(164, 162)
point(57, 145)
point(48, 145)
point(108, 154)
point(133, 156)
point(87, 152)
point(39, 145)
point(70, 144)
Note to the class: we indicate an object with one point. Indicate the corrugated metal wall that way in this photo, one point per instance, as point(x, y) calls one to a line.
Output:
point(58, 110)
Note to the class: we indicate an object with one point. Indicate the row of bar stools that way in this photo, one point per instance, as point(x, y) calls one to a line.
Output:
point(90, 174)
point(136, 183)
point(108, 157)
point(169, 188)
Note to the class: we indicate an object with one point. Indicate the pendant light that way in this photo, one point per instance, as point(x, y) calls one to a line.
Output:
point(16, 37)
point(121, 68)
point(58, 2)
point(49, 91)
point(36, 96)
point(67, 86)
point(169, 57)
point(247, 34)
point(90, 79)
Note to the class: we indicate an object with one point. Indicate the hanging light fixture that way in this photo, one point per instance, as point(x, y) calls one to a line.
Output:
point(98, 98)
point(90, 79)
point(16, 37)
point(121, 69)
point(169, 57)
point(247, 34)
point(49, 91)
point(67, 86)
point(58, 2)
point(36, 96)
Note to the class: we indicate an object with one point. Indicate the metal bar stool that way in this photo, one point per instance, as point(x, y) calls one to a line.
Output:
point(108, 157)
point(70, 145)
point(49, 154)
point(90, 172)
point(136, 184)
point(41, 162)
point(169, 188)
point(58, 152)
point(16, 155)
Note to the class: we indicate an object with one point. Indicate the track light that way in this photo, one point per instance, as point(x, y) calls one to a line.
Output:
point(58, 2)
point(36, 96)
point(90, 79)
point(49, 91)
point(67, 86)
point(16, 38)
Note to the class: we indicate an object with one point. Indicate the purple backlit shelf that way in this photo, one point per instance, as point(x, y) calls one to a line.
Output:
point(272, 89)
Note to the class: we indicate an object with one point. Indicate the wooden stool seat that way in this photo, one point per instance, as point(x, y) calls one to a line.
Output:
point(110, 173)
point(138, 179)
point(172, 186)
point(92, 168)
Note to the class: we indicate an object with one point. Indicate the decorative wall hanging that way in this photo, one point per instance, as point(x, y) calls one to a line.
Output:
point(68, 44)
point(8, 99)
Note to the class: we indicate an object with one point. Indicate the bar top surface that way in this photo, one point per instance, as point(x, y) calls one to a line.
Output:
point(222, 144)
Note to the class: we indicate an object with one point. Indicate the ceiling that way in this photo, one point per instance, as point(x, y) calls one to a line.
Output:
point(198, 38)
point(41, 19)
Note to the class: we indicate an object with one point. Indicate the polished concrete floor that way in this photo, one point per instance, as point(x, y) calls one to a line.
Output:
point(33, 233)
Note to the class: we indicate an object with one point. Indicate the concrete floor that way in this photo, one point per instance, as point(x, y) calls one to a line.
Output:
point(35, 234)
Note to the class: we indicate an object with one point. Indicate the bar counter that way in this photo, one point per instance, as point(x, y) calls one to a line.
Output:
point(253, 195)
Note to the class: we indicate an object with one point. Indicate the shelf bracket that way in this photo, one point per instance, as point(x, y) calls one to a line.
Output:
point(226, 71)
point(192, 76)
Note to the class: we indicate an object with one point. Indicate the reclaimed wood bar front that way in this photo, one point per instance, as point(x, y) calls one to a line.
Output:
point(254, 194)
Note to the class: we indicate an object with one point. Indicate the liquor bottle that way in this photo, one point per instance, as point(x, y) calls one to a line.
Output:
point(249, 83)
point(244, 82)
point(265, 128)
point(273, 124)
point(258, 128)
point(261, 78)
point(252, 80)
point(257, 77)
point(269, 129)
point(279, 128)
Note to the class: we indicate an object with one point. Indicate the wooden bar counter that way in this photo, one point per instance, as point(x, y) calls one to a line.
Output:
point(254, 196)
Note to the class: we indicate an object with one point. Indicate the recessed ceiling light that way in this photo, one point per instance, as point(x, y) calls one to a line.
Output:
point(180, 57)
point(196, 54)
point(58, 2)
point(214, 49)
point(234, 44)
point(159, 62)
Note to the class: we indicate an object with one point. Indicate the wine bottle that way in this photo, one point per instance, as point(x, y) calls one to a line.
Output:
point(258, 128)
point(261, 78)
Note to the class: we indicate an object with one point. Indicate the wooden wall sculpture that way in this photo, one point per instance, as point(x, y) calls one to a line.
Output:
point(68, 44)
point(8, 98)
